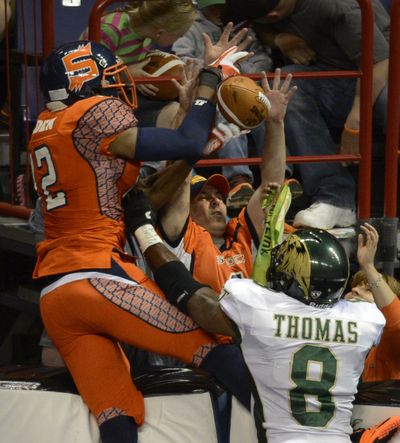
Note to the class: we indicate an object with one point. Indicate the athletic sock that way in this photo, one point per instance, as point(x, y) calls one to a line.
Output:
point(226, 364)
point(120, 429)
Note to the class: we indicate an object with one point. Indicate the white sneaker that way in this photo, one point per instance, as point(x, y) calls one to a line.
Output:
point(325, 216)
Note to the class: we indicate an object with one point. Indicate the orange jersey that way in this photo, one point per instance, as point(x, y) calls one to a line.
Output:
point(211, 265)
point(383, 361)
point(81, 184)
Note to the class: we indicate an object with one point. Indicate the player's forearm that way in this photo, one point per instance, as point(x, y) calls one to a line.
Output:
point(158, 255)
point(198, 301)
point(203, 307)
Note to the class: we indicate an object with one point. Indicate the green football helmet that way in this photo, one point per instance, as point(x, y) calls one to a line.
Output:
point(311, 266)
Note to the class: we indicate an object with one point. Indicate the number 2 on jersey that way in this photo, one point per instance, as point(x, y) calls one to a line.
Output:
point(42, 157)
point(318, 386)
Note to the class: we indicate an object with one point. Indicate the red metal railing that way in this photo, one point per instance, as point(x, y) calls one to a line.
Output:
point(95, 16)
point(48, 35)
point(393, 117)
point(365, 74)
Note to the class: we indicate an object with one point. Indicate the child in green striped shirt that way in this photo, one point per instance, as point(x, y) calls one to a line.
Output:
point(130, 33)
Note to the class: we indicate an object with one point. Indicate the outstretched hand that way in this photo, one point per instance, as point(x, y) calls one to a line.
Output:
point(187, 84)
point(213, 51)
point(279, 95)
point(367, 245)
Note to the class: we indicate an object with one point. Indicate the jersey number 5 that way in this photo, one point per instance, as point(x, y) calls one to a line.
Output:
point(313, 387)
point(41, 160)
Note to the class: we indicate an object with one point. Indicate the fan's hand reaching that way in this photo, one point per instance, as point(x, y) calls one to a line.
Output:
point(213, 51)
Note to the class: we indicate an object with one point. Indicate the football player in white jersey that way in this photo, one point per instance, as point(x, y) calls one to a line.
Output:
point(304, 346)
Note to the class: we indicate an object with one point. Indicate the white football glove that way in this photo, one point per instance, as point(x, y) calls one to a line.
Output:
point(221, 135)
point(227, 60)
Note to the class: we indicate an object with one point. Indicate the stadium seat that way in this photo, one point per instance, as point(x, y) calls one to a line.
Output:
point(40, 405)
point(242, 425)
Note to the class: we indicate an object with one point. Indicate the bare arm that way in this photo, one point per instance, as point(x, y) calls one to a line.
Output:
point(367, 245)
point(162, 187)
point(274, 154)
point(203, 306)
point(380, 78)
point(350, 138)
point(204, 309)
point(174, 214)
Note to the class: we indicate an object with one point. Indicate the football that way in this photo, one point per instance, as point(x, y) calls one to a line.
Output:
point(164, 64)
point(243, 102)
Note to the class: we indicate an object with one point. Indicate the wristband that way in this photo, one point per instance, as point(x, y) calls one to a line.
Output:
point(177, 283)
point(146, 236)
point(351, 130)
point(210, 77)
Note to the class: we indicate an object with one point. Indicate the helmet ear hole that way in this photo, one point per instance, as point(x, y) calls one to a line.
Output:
point(278, 281)
point(283, 282)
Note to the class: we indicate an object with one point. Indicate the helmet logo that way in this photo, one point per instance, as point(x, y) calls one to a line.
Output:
point(80, 67)
point(293, 259)
point(315, 294)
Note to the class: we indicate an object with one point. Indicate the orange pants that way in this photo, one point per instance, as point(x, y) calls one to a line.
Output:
point(86, 319)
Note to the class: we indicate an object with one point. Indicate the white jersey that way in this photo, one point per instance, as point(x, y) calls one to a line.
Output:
point(305, 361)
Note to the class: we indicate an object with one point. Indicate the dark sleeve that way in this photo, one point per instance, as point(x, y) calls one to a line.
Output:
point(186, 142)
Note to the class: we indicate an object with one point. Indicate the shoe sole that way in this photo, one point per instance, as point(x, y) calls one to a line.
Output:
point(240, 200)
point(295, 188)
point(272, 233)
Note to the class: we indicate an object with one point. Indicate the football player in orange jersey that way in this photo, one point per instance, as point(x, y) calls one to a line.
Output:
point(85, 153)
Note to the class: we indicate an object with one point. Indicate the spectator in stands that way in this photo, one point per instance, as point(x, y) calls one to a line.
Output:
point(85, 152)
point(383, 361)
point(318, 35)
point(303, 345)
point(191, 46)
point(193, 222)
point(130, 33)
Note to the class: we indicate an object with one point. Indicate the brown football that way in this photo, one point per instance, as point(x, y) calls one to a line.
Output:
point(164, 64)
point(241, 101)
